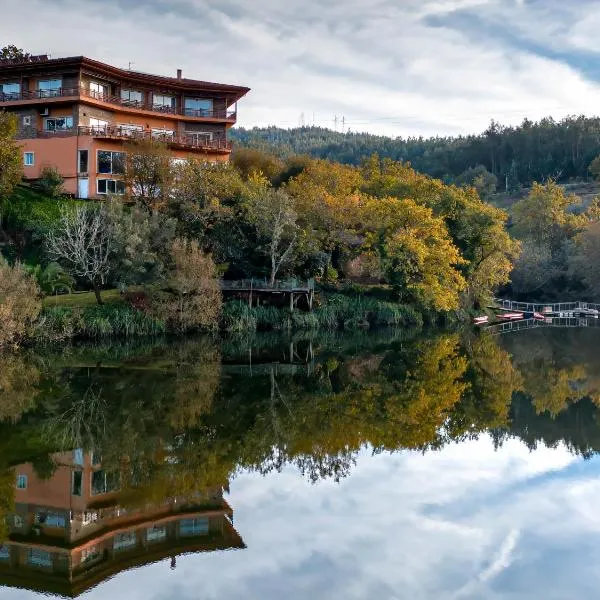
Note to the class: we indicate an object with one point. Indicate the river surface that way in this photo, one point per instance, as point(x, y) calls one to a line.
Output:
point(393, 465)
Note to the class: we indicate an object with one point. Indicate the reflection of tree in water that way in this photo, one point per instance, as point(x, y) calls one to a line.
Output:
point(177, 422)
point(19, 379)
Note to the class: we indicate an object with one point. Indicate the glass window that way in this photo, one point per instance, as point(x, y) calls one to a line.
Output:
point(83, 168)
point(90, 554)
point(21, 482)
point(189, 527)
point(102, 186)
point(131, 97)
point(163, 134)
point(29, 159)
point(4, 552)
point(163, 102)
point(156, 534)
point(130, 130)
point(111, 162)
point(58, 123)
point(125, 540)
point(103, 481)
point(49, 87)
point(77, 483)
point(39, 558)
point(111, 186)
point(10, 89)
point(50, 519)
point(98, 90)
point(98, 125)
point(198, 107)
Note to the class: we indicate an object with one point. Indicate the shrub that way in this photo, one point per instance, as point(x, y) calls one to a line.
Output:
point(20, 302)
point(193, 296)
point(50, 183)
point(238, 317)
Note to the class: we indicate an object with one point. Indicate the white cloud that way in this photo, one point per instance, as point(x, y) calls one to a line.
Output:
point(384, 66)
point(467, 522)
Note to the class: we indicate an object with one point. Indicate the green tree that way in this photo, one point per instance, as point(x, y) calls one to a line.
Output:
point(10, 157)
point(20, 302)
point(11, 52)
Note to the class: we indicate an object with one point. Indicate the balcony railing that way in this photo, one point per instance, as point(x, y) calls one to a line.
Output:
point(188, 141)
point(217, 113)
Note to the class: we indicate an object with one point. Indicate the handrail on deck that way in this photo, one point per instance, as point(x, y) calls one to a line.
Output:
point(286, 285)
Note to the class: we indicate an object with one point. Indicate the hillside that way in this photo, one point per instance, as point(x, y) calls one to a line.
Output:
point(516, 156)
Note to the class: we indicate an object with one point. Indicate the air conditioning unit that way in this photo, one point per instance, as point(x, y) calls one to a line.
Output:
point(45, 112)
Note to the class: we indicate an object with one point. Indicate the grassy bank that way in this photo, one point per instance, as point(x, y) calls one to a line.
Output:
point(338, 312)
point(77, 316)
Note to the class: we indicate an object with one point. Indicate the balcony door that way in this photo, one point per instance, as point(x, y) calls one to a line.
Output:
point(199, 107)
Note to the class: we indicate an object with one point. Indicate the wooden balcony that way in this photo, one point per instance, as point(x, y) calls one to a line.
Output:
point(185, 142)
point(79, 93)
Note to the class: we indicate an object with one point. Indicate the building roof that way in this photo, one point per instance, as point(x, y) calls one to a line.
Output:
point(37, 63)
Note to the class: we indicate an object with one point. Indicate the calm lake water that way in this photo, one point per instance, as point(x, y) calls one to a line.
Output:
point(388, 466)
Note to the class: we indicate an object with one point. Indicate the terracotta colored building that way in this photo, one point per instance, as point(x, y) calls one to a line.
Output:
point(75, 114)
point(71, 532)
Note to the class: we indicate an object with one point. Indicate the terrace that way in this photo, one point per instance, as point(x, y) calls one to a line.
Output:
point(186, 142)
point(81, 93)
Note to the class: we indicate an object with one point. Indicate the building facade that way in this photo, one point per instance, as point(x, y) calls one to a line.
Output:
point(76, 114)
point(73, 531)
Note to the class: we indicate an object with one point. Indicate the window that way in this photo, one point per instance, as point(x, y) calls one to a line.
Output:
point(12, 90)
point(18, 521)
point(49, 87)
point(111, 186)
point(82, 168)
point(76, 483)
point(163, 102)
point(4, 553)
point(163, 134)
point(131, 130)
point(39, 558)
point(111, 162)
point(50, 519)
point(199, 107)
point(21, 482)
point(58, 123)
point(29, 159)
point(96, 458)
point(90, 554)
point(103, 482)
point(189, 527)
point(99, 90)
point(27, 121)
point(98, 125)
point(125, 540)
point(131, 97)
point(199, 138)
point(156, 534)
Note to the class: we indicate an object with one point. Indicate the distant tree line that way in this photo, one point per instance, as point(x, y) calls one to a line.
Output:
point(515, 156)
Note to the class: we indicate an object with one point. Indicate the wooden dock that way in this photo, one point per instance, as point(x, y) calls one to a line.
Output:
point(256, 289)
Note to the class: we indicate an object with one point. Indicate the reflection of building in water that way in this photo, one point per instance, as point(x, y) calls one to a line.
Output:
point(69, 533)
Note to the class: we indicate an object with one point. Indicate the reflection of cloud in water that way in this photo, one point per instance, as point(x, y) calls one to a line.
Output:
point(465, 522)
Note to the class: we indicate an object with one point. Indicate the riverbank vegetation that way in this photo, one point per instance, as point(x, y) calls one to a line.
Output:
point(436, 249)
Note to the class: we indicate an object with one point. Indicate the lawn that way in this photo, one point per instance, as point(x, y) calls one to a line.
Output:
point(82, 299)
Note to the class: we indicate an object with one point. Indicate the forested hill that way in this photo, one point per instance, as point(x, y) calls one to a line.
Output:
point(517, 156)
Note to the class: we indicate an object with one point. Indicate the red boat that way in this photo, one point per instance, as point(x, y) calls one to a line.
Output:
point(514, 316)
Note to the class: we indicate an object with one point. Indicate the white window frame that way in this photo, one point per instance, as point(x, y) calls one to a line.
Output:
point(98, 125)
point(27, 121)
point(108, 181)
point(163, 133)
point(99, 90)
point(130, 130)
point(112, 171)
point(22, 481)
point(68, 123)
point(26, 156)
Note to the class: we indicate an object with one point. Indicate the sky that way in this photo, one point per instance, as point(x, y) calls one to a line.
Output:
point(393, 67)
point(469, 522)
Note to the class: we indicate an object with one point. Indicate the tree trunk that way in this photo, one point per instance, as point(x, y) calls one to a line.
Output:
point(97, 293)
